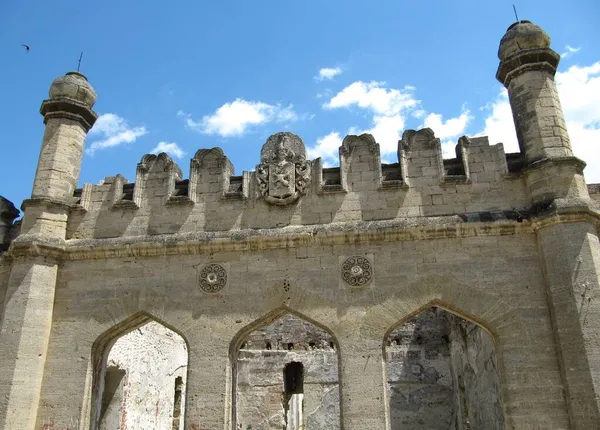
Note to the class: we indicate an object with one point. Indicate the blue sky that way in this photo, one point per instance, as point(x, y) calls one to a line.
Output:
point(185, 75)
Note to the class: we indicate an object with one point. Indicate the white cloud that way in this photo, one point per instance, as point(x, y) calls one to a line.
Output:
point(499, 125)
point(373, 96)
point(114, 130)
point(327, 148)
point(328, 73)
point(387, 131)
point(579, 91)
point(170, 148)
point(448, 131)
point(389, 108)
point(450, 128)
point(326, 93)
point(236, 117)
point(570, 50)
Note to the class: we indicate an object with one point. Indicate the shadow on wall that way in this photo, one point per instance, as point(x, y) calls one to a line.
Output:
point(442, 374)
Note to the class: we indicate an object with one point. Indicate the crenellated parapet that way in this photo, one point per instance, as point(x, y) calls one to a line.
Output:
point(288, 189)
point(421, 155)
point(210, 175)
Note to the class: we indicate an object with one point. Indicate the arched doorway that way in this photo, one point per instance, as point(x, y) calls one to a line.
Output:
point(442, 373)
point(140, 379)
point(287, 377)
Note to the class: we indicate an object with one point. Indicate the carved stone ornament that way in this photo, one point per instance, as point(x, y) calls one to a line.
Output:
point(357, 271)
point(284, 173)
point(212, 278)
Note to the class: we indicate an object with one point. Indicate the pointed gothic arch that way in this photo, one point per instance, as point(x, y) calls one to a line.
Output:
point(441, 370)
point(285, 345)
point(119, 373)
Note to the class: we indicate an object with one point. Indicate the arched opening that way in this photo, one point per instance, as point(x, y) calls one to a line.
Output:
point(140, 376)
point(287, 377)
point(442, 373)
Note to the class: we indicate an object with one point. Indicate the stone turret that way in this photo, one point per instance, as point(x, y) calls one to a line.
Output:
point(68, 116)
point(527, 68)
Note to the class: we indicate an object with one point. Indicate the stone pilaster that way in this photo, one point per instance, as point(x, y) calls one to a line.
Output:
point(205, 404)
point(362, 388)
point(68, 116)
point(24, 335)
point(570, 254)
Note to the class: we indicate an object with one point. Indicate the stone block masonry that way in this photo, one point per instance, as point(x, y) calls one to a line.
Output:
point(428, 293)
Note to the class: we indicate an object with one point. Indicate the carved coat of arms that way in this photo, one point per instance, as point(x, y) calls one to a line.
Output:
point(284, 172)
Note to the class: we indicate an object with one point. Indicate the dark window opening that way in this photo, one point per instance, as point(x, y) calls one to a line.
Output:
point(293, 378)
point(177, 402)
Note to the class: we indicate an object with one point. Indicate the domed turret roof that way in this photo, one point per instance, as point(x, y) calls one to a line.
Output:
point(522, 36)
point(74, 85)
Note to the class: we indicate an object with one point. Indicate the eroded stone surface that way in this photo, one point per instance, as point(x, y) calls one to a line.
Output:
point(142, 369)
point(442, 374)
point(261, 399)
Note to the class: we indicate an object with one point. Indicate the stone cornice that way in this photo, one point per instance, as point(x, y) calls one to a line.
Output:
point(532, 59)
point(346, 233)
point(567, 211)
point(64, 107)
point(50, 203)
point(555, 161)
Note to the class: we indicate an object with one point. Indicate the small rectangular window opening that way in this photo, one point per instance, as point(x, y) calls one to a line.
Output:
point(177, 402)
point(293, 378)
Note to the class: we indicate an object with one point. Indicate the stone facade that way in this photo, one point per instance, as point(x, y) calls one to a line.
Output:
point(494, 256)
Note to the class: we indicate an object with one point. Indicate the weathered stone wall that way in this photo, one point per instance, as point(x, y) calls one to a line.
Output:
point(442, 374)
point(476, 375)
point(150, 359)
point(420, 375)
point(468, 267)
point(594, 192)
point(4, 276)
point(260, 399)
point(160, 202)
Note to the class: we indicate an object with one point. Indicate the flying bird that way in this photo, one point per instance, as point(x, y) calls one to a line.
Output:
point(26, 48)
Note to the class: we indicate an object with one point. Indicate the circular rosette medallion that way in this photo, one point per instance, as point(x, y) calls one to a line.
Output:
point(212, 278)
point(357, 271)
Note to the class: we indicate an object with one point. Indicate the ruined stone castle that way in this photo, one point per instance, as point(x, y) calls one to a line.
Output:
point(429, 293)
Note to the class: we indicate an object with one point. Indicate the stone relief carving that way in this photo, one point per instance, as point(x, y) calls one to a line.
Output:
point(284, 173)
point(357, 271)
point(213, 278)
